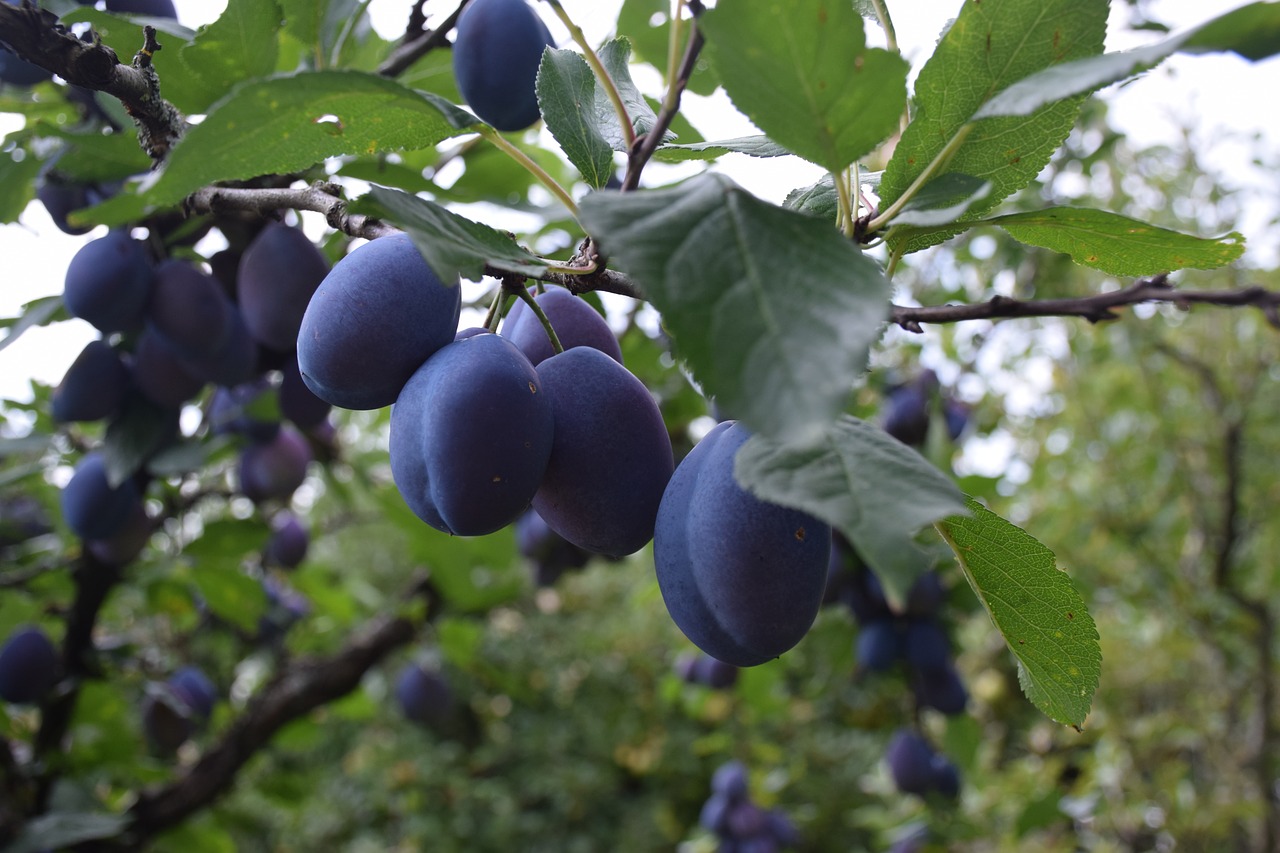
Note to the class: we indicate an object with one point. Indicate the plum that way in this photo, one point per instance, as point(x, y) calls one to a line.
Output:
point(471, 435)
point(91, 507)
point(28, 666)
point(378, 315)
point(279, 271)
point(879, 645)
point(108, 283)
point(611, 458)
point(424, 695)
point(274, 470)
point(297, 402)
point(289, 541)
point(918, 769)
point(188, 310)
point(496, 53)
point(94, 386)
point(161, 374)
point(577, 324)
point(154, 8)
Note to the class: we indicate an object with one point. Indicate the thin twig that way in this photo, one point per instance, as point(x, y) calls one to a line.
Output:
point(410, 52)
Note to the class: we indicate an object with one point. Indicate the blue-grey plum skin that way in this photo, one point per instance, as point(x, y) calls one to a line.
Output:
point(279, 272)
point(28, 666)
point(154, 8)
point(742, 578)
point(161, 374)
point(496, 53)
point(274, 470)
point(108, 283)
point(378, 315)
point(577, 324)
point(189, 311)
point(195, 688)
point(94, 386)
point(297, 402)
point(92, 509)
point(471, 435)
point(611, 459)
point(879, 645)
point(424, 695)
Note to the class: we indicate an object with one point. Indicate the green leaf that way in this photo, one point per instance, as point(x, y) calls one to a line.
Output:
point(943, 200)
point(242, 43)
point(773, 311)
point(615, 56)
point(302, 20)
point(566, 95)
point(294, 121)
point(1117, 244)
point(857, 478)
point(137, 433)
point(819, 199)
point(1252, 31)
point(59, 830)
point(990, 46)
point(754, 146)
point(37, 312)
point(802, 72)
point(1039, 612)
point(452, 245)
point(230, 595)
point(102, 157)
point(17, 185)
point(646, 23)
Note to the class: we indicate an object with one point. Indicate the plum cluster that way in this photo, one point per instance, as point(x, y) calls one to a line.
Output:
point(496, 52)
point(700, 668)
point(740, 825)
point(741, 577)
point(28, 666)
point(917, 768)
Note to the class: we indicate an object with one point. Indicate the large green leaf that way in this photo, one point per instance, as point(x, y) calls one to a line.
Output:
point(135, 435)
point(990, 46)
point(773, 310)
point(241, 44)
point(859, 479)
point(1117, 244)
point(566, 96)
point(1041, 615)
point(1252, 31)
point(294, 121)
point(646, 23)
point(454, 246)
point(801, 70)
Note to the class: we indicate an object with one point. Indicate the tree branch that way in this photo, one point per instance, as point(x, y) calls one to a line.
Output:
point(410, 51)
point(36, 36)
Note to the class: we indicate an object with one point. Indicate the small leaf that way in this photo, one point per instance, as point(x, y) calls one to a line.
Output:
point(230, 595)
point(566, 96)
point(140, 430)
point(801, 70)
point(37, 312)
point(857, 478)
point(452, 245)
point(754, 146)
point(287, 123)
point(819, 199)
point(773, 310)
point(1036, 608)
point(943, 200)
point(242, 43)
point(615, 56)
point(1117, 244)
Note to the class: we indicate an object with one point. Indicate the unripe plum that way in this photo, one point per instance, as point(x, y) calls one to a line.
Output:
point(471, 434)
point(92, 509)
point(108, 283)
point(741, 577)
point(189, 310)
point(577, 324)
point(94, 386)
point(611, 458)
point(275, 469)
point(28, 666)
point(378, 315)
point(496, 53)
point(279, 272)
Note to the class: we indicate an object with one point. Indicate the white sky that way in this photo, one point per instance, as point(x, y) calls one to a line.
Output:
point(1214, 94)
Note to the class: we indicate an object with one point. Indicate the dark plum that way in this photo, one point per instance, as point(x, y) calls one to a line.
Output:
point(196, 690)
point(918, 769)
point(611, 458)
point(907, 408)
point(715, 673)
point(956, 415)
point(715, 813)
point(289, 541)
point(123, 547)
point(879, 645)
point(275, 469)
point(730, 779)
point(108, 283)
point(378, 315)
point(235, 361)
point(424, 695)
point(925, 596)
point(94, 386)
point(940, 688)
point(249, 409)
point(279, 272)
point(471, 434)
point(297, 402)
point(926, 646)
point(189, 310)
point(91, 507)
point(160, 373)
point(549, 552)
point(28, 666)
point(285, 606)
point(741, 577)
point(496, 53)
point(577, 324)
point(154, 8)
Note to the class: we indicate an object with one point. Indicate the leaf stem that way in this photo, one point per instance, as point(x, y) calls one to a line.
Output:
point(524, 294)
point(495, 310)
point(943, 157)
point(606, 82)
point(533, 168)
point(673, 50)
point(845, 217)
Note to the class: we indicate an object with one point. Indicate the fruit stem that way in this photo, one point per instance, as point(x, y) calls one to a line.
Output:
point(615, 97)
point(533, 168)
point(845, 217)
point(943, 157)
point(524, 294)
point(495, 310)
point(673, 47)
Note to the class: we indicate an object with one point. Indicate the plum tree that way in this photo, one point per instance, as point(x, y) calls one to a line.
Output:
point(611, 457)
point(741, 577)
point(279, 272)
point(28, 666)
point(372, 322)
point(470, 476)
point(108, 283)
point(94, 386)
point(91, 506)
point(576, 324)
point(496, 53)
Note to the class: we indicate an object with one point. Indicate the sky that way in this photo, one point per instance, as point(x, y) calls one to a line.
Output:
point(1216, 95)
